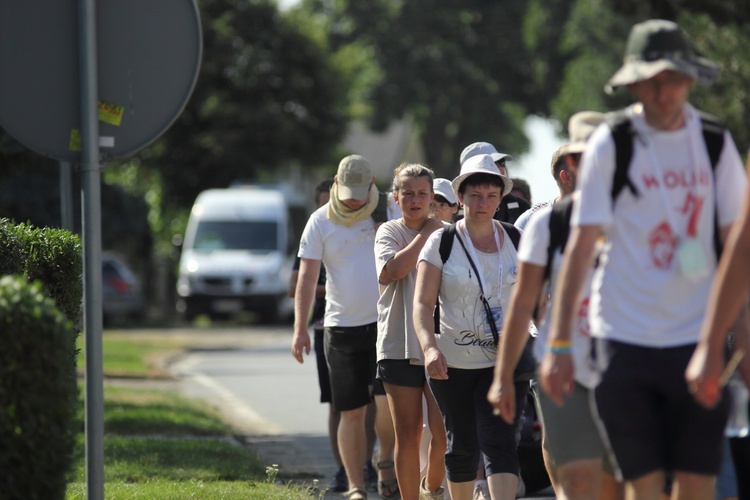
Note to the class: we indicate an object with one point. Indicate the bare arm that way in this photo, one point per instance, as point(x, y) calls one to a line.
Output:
point(425, 297)
point(728, 298)
point(405, 259)
point(309, 269)
point(320, 290)
point(515, 335)
point(556, 370)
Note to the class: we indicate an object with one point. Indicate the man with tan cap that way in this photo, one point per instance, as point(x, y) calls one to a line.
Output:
point(341, 235)
point(565, 160)
point(573, 449)
point(650, 289)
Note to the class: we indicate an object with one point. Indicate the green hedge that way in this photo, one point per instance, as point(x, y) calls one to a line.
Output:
point(50, 255)
point(37, 392)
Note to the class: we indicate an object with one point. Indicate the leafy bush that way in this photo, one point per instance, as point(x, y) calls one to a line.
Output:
point(37, 392)
point(50, 255)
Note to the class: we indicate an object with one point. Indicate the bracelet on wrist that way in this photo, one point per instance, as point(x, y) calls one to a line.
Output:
point(560, 343)
point(559, 349)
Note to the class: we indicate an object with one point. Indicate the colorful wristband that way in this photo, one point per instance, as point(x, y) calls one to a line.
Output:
point(559, 349)
point(560, 343)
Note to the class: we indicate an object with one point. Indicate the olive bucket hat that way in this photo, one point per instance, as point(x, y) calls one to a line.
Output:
point(657, 45)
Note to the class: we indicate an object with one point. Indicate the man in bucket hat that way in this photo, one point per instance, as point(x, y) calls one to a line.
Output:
point(650, 290)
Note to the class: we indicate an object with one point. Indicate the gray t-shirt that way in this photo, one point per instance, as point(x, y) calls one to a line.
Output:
point(397, 338)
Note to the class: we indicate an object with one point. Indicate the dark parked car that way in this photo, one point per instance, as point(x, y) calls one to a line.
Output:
point(121, 291)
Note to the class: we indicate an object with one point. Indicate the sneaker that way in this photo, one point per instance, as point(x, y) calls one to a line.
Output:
point(521, 490)
point(340, 482)
point(425, 494)
point(371, 478)
point(481, 490)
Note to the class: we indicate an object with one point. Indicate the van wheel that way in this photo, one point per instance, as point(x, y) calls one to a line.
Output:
point(186, 310)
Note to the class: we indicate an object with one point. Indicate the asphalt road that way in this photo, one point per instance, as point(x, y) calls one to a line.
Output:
point(273, 401)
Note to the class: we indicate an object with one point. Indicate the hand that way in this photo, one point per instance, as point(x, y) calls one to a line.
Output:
point(435, 364)
point(703, 373)
point(556, 376)
point(502, 396)
point(300, 343)
point(432, 225)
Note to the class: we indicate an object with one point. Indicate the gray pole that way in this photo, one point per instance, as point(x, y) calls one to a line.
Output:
point(66, 202)
point(92, 270)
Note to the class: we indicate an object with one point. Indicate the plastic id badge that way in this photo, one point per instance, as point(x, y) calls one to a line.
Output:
point(692, 259)
point(497, 318)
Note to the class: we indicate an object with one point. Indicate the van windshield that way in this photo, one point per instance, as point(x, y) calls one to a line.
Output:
point(236, 235)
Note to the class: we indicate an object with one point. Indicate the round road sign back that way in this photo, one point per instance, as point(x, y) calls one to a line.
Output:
point(148, 57)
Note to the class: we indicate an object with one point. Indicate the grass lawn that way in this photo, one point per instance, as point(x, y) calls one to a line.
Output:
point(159, 445)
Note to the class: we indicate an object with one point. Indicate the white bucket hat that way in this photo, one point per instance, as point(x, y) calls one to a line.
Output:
point(483, 148)
point(481, 164)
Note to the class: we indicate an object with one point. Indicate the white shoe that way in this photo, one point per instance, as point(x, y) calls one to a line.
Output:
point(521, 490)
point(481, 490)
point(425, 494)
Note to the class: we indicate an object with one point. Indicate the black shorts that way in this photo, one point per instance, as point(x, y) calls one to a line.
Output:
point(401, 372)
point(350, 353)
point(651, 420)
point(324, 380)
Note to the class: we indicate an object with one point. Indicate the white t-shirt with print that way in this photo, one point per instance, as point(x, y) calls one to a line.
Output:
point(347, 252)
point(533, 249)
point(466, 340)
point(639, 293)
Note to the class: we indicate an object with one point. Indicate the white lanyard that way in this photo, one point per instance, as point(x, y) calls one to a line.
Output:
point(478, 263)
point(660, 173)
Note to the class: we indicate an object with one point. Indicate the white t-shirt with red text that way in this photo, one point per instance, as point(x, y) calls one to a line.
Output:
point(640, 293)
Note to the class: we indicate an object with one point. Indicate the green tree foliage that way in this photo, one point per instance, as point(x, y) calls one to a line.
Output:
point(462, 69)
point(267, 96)
point(594, 39)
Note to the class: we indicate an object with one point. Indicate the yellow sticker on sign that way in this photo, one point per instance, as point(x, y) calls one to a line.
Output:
point(111, 113)
point(75, 143)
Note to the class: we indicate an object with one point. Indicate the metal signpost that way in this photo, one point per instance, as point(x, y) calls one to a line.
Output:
point(86, 82)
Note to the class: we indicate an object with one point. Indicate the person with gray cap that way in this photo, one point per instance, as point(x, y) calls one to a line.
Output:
point(574, 451)
point(473, 283)
point(341, 235)
point(650, 289)
point(511, 206)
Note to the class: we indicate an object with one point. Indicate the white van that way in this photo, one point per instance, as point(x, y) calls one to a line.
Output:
point(237, 254)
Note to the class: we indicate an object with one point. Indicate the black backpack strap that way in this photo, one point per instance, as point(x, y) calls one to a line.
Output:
point(622, 133)
point(446, 242)
point(513, 232)
point(559, 230)
point(446, 245)
point(713, 135)
point(380, 214)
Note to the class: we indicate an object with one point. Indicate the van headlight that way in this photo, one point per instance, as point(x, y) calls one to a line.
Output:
point(183, 286)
